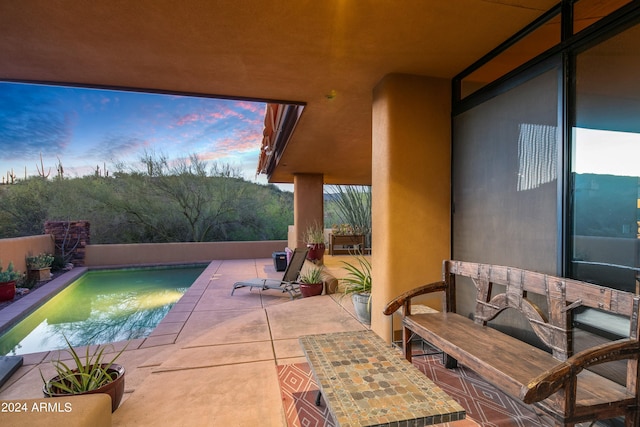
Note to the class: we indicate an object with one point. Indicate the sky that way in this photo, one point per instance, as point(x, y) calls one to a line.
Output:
point(84, 128)
point(607, 152)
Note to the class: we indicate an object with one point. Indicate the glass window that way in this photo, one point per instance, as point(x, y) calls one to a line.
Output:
point(505, 177)
point(605, 164)
point(505, 186)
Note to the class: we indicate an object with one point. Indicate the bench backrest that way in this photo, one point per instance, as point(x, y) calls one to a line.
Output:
point(562, 295)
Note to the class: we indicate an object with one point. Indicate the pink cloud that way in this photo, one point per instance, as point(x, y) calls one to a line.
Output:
point(242, 140)
point(250, 106)
point(189, 118)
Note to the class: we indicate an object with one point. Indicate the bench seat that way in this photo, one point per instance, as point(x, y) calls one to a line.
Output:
point(558, 382)
point(506, 362)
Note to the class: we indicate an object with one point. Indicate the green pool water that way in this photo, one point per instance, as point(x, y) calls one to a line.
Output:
point(100, 307)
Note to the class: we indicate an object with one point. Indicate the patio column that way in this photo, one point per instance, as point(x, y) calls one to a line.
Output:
point(411, 188)
point(308, 205)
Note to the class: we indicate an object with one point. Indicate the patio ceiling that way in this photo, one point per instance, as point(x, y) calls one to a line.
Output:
point(327, 54)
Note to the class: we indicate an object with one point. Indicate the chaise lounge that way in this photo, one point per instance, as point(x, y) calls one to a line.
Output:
point(289, 279)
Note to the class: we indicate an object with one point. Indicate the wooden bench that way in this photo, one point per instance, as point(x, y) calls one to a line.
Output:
point(557, 381)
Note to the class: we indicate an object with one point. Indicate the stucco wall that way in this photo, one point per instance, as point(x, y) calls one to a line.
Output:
point(160, 253)
point(411, 188)
point(19, 248)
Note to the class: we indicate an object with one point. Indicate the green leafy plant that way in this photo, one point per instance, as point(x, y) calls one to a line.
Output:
point(10, 274)
point(89, 373)
point(358, 279)
point(353, 205)
point(313, 275)
point(344, 229)
point(314, 234)
point(43, 260)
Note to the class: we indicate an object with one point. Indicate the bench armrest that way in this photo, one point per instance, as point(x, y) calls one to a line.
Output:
point(399, 301)
point(554, 379)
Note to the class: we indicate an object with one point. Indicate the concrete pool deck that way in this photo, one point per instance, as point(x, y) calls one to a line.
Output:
point(212, 360)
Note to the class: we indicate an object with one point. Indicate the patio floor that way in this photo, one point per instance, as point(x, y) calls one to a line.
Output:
point(212, 360)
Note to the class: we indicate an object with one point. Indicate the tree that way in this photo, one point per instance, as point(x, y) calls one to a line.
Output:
point(159, 202)
point(24, 207)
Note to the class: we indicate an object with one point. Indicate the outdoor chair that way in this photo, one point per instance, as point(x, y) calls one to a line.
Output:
point(289, 279)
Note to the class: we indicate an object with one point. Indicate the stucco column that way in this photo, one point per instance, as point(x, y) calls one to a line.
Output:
point(308, 205)
point(410, 188)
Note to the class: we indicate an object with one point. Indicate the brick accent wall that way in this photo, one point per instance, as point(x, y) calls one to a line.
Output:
point(71, 239)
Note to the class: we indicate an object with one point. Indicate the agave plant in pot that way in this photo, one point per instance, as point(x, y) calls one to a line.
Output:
point(91, 374)
point(357, 283)
point(311, 282)
point(8, 279)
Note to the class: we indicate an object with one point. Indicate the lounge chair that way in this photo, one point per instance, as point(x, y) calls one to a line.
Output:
point(288, 282)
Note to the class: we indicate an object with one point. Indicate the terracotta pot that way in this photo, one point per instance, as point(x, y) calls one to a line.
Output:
point(7, 290)
point(316, 251)
point(115, 389)
point(310, 289)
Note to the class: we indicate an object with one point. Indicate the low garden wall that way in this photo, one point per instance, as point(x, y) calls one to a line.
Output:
point(166, 253)
point(17, 249)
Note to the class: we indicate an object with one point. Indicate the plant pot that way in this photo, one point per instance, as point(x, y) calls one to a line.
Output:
point(316, 251)
point(362, 307)
point(311, 289)
point(39, 274)
point(115, 389)
point(7, 290)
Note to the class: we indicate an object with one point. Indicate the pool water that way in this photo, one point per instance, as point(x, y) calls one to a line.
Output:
point(100, 307)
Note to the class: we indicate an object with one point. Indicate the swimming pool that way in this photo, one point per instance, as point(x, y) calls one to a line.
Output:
point(102, 306)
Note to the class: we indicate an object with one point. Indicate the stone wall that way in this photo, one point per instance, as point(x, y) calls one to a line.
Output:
point(71, 239)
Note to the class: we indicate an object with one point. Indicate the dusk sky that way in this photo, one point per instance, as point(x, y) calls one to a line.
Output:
point(85, 128)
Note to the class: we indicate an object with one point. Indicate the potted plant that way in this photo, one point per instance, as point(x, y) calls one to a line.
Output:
point(314, 236)
point(8, 279)
point(89, 375)
point(357, 283)
point(311, 282)
point(39, 266)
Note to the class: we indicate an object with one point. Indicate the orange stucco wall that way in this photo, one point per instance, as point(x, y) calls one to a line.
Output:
point(145, 253)
point(308, 205)
point(411, 188)
point(164, 253)
point(19, 248)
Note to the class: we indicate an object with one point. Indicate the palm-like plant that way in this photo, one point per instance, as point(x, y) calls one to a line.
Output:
point(358, 279)
point(358, 285)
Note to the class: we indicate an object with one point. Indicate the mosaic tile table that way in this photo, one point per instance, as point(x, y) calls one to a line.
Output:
point(366, 382)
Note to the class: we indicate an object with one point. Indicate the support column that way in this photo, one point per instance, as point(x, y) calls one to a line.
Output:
point(411, 188)
point(308, 205)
